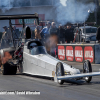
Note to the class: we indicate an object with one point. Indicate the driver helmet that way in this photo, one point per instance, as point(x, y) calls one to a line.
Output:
point(32, 45)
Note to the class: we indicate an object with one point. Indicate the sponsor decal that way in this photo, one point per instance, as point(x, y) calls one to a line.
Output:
point(53, 73)
point(69, 53)
point(88, 53)
point(61, 52)
point(78, 54)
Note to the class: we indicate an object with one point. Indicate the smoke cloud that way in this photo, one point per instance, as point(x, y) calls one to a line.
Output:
point(5, 5)
point(8, 4)
point(66, 10)
point(73, 11)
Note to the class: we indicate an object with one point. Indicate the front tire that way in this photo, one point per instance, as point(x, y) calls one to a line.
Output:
point(9, 69)
point(60, 72)
point(87, 68)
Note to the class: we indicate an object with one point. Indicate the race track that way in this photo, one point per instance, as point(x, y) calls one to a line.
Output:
point(49, 90)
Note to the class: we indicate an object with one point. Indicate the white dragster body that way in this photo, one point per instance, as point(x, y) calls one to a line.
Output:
point(42, 64)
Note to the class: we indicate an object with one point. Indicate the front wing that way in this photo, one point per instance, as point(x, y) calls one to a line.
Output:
point(78, 75)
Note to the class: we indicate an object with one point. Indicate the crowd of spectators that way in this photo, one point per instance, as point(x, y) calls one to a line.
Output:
point(9, 35)
point(63, 33)
point(50, 35)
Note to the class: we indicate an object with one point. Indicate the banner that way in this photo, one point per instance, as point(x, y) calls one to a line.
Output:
point(76, 53)
point(88, 53)
point(61, 52)
point(69, 53)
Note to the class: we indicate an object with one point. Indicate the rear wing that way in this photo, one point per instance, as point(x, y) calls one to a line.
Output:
point(23, 16)
point(20, 16)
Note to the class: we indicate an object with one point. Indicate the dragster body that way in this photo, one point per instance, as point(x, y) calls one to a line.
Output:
point(41, 63)
point(36, 61)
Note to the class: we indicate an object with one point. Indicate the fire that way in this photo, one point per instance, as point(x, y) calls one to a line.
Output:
point(6, 57)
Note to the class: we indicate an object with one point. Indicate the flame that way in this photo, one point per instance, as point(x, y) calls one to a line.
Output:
point(6, 57)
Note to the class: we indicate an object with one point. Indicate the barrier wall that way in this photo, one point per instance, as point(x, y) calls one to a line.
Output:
point(79, 52)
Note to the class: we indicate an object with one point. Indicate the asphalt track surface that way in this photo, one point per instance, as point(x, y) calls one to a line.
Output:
point(49, 90)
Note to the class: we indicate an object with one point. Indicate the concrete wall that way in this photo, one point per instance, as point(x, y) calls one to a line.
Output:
point(49, 12)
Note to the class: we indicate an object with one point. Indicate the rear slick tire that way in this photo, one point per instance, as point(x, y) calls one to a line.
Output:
point(9, 69)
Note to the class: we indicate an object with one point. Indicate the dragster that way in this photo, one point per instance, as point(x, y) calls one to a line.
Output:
point(31, 57)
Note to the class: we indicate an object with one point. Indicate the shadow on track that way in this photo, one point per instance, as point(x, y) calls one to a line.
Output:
point(67, 83)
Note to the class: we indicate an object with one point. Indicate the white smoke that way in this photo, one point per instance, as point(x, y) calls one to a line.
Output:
point(73, 11)
point(8, 4)
point(66, 10)
point(63, 2)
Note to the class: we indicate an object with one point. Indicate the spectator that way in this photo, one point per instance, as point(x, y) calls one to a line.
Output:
point(61, 34)
point(98, 35)
point(16, 33)
point(4, 38)
point(53, 38)
point(45, 34)
point(37, 32)
point(69, 34)
point(45, 30)
point(53, 29)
